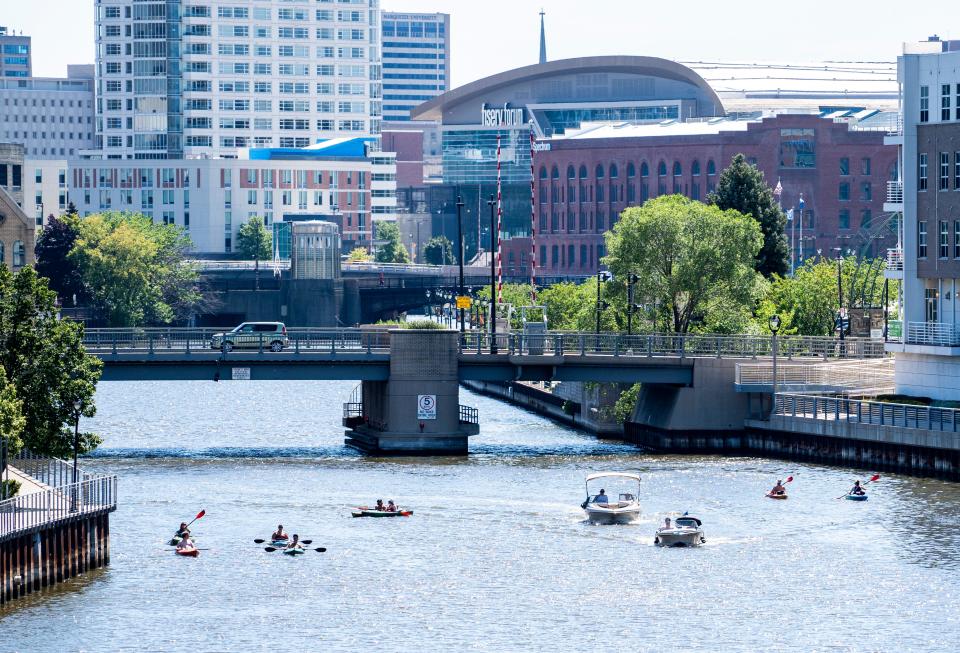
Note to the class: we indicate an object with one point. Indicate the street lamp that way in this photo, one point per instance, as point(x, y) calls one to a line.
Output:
point(602, 277)
point(840, 290)
point(774, 325)
point(631, 307)
point(459, 255)
point(493, 275)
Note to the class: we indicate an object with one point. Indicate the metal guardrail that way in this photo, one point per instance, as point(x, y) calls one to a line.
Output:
point(867, 412)
point(874, 375)
point(91, 496)
point(49, 471)
point(172, 340)
point(469, 415)
point(937, 334)
point(894, 192)
point(895, 259)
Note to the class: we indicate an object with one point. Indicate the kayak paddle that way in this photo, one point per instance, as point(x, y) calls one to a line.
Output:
point(199, 515)
point(271, 549)
point(875, 477)
point(259, 541)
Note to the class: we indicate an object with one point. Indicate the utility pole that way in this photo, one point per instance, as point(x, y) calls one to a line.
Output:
point(492, 203)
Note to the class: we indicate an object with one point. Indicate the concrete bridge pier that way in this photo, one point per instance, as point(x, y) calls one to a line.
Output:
point(416, 411)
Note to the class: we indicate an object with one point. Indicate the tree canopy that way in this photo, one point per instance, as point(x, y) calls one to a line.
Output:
point(53, 247)
point(391, 249)
point(254, 241)
point(688, 256)
point(439, 251)
point(134, 270)
point(359, 255)
point(743, 188)
point(44, 357)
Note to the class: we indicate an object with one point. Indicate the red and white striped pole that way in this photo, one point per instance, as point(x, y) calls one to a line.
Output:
point(533, 224)
point(499, 229)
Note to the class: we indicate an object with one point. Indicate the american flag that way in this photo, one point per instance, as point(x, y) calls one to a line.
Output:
point(778, 190)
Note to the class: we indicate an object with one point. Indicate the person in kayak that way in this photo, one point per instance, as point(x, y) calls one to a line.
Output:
point(186, 543)
point(778, 488)
point(602, 497)
point(856, 489)
point(279, 534)
point(295, 543)
point(391, 506)
point(380, 507)
point(183, 531)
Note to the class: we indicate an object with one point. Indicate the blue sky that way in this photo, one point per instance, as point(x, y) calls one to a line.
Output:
point(490, 36)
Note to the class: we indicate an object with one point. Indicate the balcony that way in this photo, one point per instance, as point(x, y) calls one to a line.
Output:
point(894, 269)
point(894, 200)
point(932, 334)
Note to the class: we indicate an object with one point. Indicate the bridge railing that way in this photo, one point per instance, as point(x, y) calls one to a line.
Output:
point(674, 345)
point(469, 415)
point(158, 340)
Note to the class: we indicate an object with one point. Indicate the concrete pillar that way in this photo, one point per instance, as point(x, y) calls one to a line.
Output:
point(417, 410)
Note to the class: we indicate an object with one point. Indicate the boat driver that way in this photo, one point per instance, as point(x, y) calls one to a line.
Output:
point(666, 524)
point(280, 534)
point(601, 498)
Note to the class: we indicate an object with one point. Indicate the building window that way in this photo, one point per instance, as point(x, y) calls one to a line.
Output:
point(677, 178)
point(844, 166)
point(945, 102)
point(932, 299)
point(944, 239)
point(957, 103)
point(843, 222)
point(922, 180)
point(866, 219)
point(844, 194)
point(866, 192)
point(798, 148)
point(944, 171)
point(865, 166)
point(956, 171)
point(19, 254)
point(922, 239)
point(956, 239)
point(924, 104)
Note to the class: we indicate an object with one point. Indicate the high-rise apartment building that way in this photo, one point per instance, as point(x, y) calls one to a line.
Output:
point(15, 54)
point(416, 61)
point(202, 79)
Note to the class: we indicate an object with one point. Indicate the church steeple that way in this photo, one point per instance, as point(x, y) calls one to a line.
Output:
point(543, 40)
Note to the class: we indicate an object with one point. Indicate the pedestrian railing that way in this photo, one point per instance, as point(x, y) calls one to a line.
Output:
point(867, 412)
point(469, 415)
point(895, 259)
point(938, 334)
point(47, 507)
point(554, 343)
point(874, 375)
point(894, 192)
point(48, 471)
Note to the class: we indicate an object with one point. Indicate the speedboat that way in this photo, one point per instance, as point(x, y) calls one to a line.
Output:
point(686, 531)
point(603, 509)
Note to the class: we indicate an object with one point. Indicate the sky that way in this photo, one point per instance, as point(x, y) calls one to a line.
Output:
point(490, 36)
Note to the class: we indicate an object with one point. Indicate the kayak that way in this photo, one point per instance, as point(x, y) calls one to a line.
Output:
point(190, 553)
point(770, 495)
point(175, 540)
point(279, 543)
point(365, 512)
point(856, 497)
point(294, 552)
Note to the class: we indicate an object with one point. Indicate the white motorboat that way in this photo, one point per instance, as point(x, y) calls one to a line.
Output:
point(602, 508)
point(685, 531)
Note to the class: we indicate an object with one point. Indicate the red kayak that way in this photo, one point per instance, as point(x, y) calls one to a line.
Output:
point(190, 553)
point(781, 496)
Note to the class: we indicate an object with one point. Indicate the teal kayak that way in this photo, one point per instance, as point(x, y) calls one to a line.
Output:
point(856, 497)
point(294, 552)
point(279, 543)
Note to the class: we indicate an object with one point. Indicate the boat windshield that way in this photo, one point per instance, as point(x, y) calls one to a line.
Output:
point(687, 522)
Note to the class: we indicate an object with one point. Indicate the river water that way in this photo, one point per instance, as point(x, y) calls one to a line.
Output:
point(497, 556)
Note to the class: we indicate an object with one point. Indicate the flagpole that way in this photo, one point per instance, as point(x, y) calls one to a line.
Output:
point(793, 245)
point(800, 253)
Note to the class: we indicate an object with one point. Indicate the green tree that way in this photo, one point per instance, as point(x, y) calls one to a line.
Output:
point(623, 408)
point(359, 255)
point(390, 249)
point(254, 241)
point(45, 359)
point(439, 251)
point(742, 187)
point(12, 420)
point(688, 257)
point(54, 244)
point(135, 271)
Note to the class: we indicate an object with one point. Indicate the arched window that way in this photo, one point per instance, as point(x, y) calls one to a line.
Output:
point(19, 254)
point(543, 172)
point(571, 184)
point(711, 168)
point(555, 173)
point(662, 169)
point(631, 170)
point(695, 168)
point(571, 174)
point(599, 171)
point(677, 169)
point(583, 171)
point(644, 169)
point(631, 186)
point(614, 173)
point(2, 253)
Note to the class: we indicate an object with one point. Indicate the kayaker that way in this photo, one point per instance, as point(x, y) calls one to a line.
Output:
point(391, 506)
point(280, 534)
point(380, 507)
point(602, 497)
point(186, 543)
point(294, 543)
point(183, 531)
point(778, 488)
point(856, 489)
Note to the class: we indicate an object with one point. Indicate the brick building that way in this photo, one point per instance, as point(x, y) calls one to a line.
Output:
point(586, 177)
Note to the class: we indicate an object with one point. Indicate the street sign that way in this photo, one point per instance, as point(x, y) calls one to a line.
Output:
point(426, 406)
point(240, 373)
point(464, 302)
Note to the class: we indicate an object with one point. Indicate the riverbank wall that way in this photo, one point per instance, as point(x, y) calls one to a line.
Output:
point(52, 530)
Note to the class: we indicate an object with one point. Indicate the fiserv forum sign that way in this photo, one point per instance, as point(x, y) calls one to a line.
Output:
point(505, 117)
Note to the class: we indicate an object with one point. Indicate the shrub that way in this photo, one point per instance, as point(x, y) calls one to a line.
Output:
point(422, 324)
point(9, 489)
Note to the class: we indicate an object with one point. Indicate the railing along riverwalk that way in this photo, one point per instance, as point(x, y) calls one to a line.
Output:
point(861, 375)
point(867, 412)
point(555, 343)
